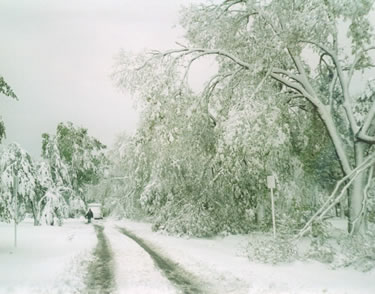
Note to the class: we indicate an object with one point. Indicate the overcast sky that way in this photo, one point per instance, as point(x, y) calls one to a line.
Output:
point(57, 56)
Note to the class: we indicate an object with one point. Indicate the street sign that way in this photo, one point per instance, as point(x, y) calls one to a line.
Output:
point(271, 182)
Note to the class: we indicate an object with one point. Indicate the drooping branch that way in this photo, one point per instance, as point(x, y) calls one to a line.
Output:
point(294, 86)
point(300, 85)
point(321, 61)
point(343, 82)
point(260, 85)
point(216, 79)
point(226, 5)
point(288, 74)
point(204, 51)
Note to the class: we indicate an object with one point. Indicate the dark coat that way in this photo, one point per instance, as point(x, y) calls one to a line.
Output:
point(89, 214)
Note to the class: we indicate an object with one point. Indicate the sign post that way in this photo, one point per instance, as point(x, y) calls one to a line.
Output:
point(15, 196)
point(271, 185)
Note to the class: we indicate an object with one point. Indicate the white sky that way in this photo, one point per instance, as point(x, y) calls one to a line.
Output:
point(58, 55)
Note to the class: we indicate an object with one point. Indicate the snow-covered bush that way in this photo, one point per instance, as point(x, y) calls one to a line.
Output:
point(332, 245)
point(272, 250)
point(188, 219)
point(321, 251)
point(357, 251)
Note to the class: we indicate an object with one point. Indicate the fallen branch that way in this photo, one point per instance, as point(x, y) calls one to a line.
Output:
point(333, 199)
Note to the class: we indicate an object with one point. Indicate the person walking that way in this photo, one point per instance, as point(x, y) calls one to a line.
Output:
point(89, 215)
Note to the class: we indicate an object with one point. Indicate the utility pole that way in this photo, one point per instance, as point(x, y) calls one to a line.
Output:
point(271, 185)
point(15, 196)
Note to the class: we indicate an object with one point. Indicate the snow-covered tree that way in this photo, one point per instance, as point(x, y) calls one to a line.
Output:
point(311, 51)
point(44, 183)
point(58, 168)
point(16, 161)
point(76, 159)
point(55, 207)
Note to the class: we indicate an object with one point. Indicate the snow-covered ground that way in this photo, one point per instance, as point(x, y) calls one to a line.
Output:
point(222, 266)
point(54, 260)
point(135, 272)
point(47, 259)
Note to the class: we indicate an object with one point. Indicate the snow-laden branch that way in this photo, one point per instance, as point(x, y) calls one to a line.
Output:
point(215, 80)
point(204, 51)
point(333, 199)
point(288, 74)
point(300, 85)
point(343, 82)
point(294, 86)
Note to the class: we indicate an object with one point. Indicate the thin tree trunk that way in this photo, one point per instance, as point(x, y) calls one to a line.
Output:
point(35, 215)
point(342, 208)
point(356, 223)
point(260, 212)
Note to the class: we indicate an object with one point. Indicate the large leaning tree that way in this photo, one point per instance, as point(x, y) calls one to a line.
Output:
point(314, 52)
point(7, 91)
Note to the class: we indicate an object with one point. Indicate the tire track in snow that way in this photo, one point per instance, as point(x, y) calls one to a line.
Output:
point(182, 279)
point(100, 277)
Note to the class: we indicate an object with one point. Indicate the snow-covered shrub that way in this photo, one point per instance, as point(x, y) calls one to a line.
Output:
point(357, 251)
point(321, 251)
point(271, 250)
point(188, 219)
point(321, 247)
point(331, 244)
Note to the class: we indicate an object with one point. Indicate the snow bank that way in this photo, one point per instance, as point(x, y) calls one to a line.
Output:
point(135, 272)
point(47, 259)
point(222, 264)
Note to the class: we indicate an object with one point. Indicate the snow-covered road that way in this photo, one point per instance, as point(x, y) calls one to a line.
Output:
point(100, 272)
point(135, 270)
point(102, 258)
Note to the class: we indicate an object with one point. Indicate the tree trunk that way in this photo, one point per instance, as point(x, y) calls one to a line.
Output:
point(356, 222)
point(260, 212)
point(35, 216)
point(342, 210)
